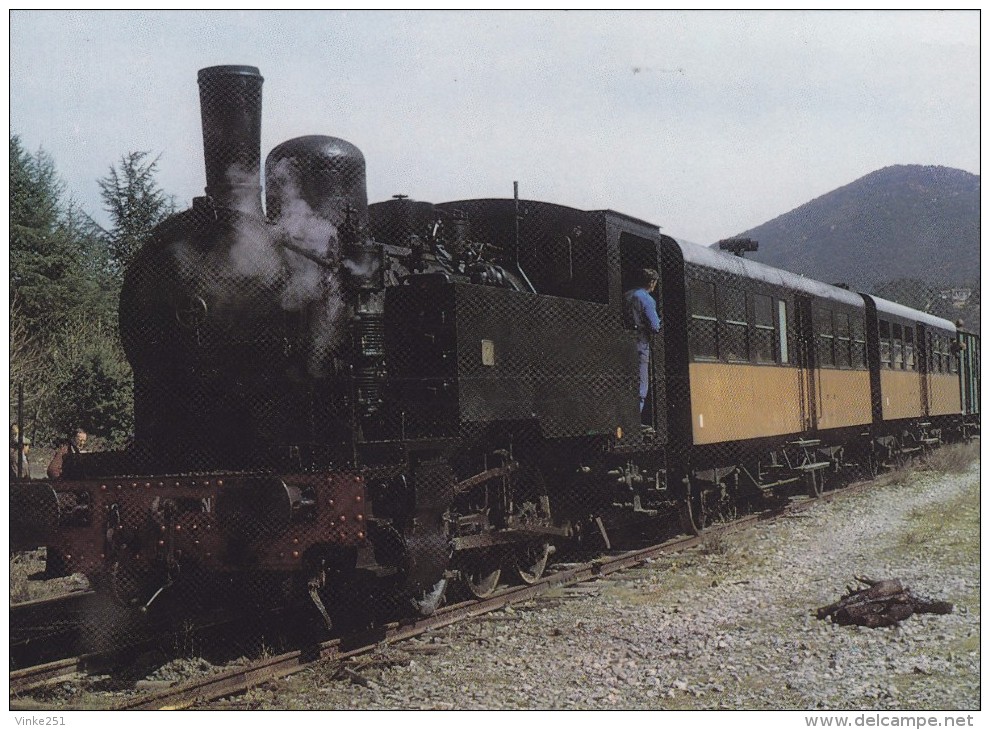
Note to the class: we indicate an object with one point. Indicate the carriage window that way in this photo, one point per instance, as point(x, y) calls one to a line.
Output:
point(784, 334)
point(762, 311)
point(857, 329)
point(826, 337)
point(763, 331)
point(843, 350)
point(702, 299)
point(897, 347)
point(909, 348)
point(731, 305)
point(701, 332)
point(734, 345)
point(884, 344)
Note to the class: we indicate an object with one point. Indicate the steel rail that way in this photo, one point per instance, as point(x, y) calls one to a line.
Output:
point(24, 615)
point(37, 675)
point(28, 678)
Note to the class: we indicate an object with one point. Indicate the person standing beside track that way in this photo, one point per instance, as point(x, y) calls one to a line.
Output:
point(641, 314)
point(20, 468)
point(75, 444)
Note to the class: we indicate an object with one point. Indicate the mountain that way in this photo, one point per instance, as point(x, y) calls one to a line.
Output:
point(900, 222)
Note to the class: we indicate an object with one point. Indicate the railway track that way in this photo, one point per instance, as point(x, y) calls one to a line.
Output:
point(47, 629)
point(219, 627)
point(242, 678)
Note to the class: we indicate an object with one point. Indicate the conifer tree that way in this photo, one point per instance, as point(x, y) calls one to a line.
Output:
point(136, 204)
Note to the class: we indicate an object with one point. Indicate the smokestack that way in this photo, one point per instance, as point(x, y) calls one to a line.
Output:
point(230, 100)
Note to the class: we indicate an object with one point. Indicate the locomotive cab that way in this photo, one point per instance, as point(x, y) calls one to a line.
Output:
point(558, 363)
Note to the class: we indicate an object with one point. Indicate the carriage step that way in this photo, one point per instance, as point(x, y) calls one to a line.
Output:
point(931, 442)
point(780, 483)
point(813, 467)
point(805, 443)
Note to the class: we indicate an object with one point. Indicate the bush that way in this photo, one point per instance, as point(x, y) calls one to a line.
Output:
point(98, 395)
point(94, 387)
point(77, 376)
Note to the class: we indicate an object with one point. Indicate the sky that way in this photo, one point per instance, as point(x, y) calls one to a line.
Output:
point(706, 123)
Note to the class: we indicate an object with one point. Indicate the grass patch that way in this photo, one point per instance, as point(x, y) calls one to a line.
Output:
point(683, 573)
point(947, 459)
point(717, 543)
point(967, 645)
point(952, 527)
point(898, 475)
point(953, 458)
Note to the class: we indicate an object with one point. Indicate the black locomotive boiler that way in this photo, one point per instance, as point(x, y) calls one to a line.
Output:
point(343, 400)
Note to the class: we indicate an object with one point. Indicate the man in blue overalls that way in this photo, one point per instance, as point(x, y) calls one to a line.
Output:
point(641, 314)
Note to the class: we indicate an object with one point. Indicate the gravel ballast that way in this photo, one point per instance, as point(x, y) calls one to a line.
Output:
point(729, 625)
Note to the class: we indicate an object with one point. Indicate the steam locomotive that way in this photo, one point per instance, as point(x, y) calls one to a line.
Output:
point(409, 398)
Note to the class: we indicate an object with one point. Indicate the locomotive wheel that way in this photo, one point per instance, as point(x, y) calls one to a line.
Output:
point(531, 562)
point(430, 599)
point(481, 580)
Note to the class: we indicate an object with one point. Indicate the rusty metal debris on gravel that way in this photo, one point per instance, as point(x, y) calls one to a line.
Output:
point(880, 603)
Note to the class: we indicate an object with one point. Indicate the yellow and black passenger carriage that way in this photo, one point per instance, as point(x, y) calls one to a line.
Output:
point(766, 375)
point(915, 360)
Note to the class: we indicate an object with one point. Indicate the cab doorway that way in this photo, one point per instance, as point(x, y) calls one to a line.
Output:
point(636, 254)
